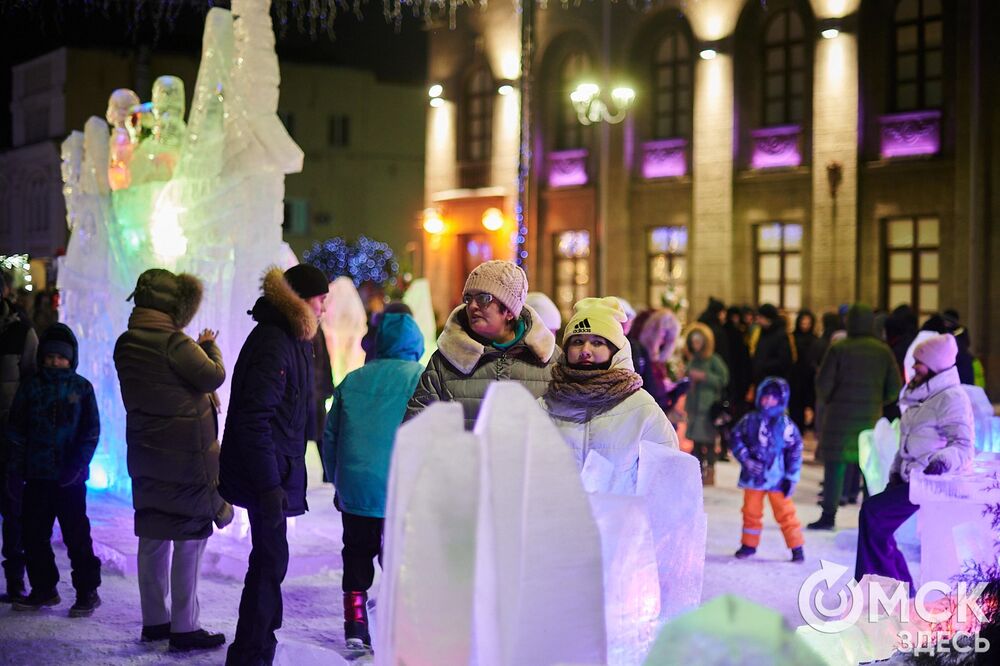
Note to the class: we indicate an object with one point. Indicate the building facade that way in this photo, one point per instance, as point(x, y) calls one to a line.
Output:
point(802, 153)
point(362, 173)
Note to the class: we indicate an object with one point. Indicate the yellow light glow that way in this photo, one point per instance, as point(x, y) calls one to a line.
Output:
point(437, 102)
point(830, 33)
point(708, 54)
point(493, 219)
point(169, 241)
point(435, 90)
point(623, 96)
point(510, 65)
point(433, 224)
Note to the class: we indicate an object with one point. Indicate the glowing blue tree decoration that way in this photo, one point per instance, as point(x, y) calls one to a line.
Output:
point(365, 260)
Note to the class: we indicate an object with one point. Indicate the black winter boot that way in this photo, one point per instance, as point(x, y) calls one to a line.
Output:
point(825, 522)
point(356, 634)
point(86, 603)
point(798, 555)
point(37, 599)
point(196, 640)
point(744, 552)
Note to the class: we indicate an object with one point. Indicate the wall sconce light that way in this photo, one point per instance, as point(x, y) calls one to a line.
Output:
point(590, 108)
point(437, 102)
point(435, 92)
point(433, 224)
point(834, 176)
point(708, 54)
point(505, 87)
point(493, 219)
point(830, 28)
point(830, 33)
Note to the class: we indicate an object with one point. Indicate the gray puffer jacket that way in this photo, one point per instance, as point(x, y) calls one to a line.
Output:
point(937, 425)
point(462, 368)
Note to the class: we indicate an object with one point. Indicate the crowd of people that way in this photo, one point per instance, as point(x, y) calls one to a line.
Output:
point(737, 382)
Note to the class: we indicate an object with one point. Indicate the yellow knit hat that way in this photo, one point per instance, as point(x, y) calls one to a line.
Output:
point(598, 316)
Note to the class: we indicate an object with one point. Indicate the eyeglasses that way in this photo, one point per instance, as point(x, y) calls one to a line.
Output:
point(482, 299)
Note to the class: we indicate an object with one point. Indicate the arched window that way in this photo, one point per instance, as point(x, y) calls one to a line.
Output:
point(671, 86)
point(917, 66)
point(570, 133)
point(784, 69)
point(477, 126)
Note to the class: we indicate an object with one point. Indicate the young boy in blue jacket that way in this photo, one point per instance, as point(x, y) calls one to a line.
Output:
point(53, 429)
point(769, 447)
point(367, 408)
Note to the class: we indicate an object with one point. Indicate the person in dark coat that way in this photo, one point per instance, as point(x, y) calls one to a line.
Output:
point(803, 380)
point(262, 465)
point(54, 428)
point(948, 322)
point(18, 347)
point(741, 370)
point(367, 408)
point(714, 316)
point(322, 385)
point(168, 383)
point(857, 377)
point(773, 353)
point(900, 332)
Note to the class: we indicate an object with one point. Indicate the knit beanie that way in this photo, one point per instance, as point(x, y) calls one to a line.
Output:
point(307, 281)
point(503, 279)
point(58, 339)
point(937, 353)
point(545, 309)
point(598, 316)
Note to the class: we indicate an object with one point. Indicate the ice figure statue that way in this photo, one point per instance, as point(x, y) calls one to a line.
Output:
point(203, 198)
point(122, 143)
point(492, 555)
point(418, 297)
point(344, 324)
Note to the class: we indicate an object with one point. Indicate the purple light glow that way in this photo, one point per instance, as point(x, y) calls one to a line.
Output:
point(568, 168)
point(775, 147)
point(914, 133)
point(664, 159)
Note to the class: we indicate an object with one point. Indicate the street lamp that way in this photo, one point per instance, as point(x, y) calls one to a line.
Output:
point(590, 108)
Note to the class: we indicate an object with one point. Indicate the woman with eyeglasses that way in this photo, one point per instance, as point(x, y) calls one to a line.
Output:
point(492, 336)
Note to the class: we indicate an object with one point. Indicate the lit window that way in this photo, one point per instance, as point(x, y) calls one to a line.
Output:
point(911, 256)
point(572, 270)
point(666, 249)
point(779, 265)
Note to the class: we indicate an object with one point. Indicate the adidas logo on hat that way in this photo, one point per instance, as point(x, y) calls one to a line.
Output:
point(582, 326)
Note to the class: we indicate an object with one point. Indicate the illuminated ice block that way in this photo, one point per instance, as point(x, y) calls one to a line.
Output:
point(344, 324)
point(418, 298)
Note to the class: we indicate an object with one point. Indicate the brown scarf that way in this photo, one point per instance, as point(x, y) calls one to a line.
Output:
point(592, 389)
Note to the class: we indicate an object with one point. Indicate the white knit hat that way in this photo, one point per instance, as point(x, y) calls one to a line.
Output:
point(937, 353)
point(504, 279)
point(546, 309)
point(598, 316)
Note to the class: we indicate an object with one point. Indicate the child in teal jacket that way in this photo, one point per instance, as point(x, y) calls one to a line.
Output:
point(367, 408)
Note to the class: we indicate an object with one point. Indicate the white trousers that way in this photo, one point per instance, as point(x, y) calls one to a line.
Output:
point(160, 577)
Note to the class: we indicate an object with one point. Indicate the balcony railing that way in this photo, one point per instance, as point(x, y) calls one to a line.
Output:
point(910, 134)
point(568, 168)
point(776, 147)
point(664, 158)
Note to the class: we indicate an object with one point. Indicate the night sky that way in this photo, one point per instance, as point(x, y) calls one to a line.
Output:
point(29, 28)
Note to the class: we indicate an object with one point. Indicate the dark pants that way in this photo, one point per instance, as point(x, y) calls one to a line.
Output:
point(13, 548)
point(852, 481)
point(881, 516)
point(705, 453)
point(260, 605)
point(833, 486)
point(44, 502)
point(362, 544)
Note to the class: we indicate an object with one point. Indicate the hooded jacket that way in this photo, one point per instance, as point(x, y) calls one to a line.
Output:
point(462, 367)
point(168, 384)
point(54, 424)
point(614, 433)
point(771, 439)
point(271, 402)
point(367, 408)
point(18, 344)
point(937, 424)
point(707, 392)
point(857, 377)
point(772, 356)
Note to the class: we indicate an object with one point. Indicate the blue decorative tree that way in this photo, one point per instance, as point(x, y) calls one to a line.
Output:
point(364, 260)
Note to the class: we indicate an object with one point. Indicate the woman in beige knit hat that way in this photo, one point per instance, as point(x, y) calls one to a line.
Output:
point(492, 336)
point(596, 399)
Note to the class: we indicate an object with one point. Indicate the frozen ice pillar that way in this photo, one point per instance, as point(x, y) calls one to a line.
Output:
point(492, 556)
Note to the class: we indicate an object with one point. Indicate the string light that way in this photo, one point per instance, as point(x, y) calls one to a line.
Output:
point(365, 260)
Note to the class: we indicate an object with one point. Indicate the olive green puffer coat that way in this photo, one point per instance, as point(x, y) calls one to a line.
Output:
point(462, 368)
point(168, 383)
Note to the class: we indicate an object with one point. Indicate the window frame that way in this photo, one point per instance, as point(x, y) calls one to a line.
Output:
point(558, 258)
point(671, 257)
point(920, 51)
point(782, 253)
point(915, 249)
point(786, 45)
point(570, 133)
point(674, 65)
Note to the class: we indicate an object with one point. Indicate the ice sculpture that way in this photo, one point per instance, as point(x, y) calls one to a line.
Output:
point(209, 202)
point(344, 324)
point(122, 144)
point(876, 451)
point(492, 556)
point(982, 412)
point(730, 631)
point(418, 297)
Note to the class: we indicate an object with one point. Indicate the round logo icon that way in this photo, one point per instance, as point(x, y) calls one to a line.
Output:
point(813, 608)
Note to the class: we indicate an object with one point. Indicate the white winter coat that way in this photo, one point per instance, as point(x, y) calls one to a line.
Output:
point(616, 433)
point(937, 424)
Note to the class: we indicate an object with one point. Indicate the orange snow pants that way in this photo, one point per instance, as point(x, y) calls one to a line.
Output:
point(784, 513)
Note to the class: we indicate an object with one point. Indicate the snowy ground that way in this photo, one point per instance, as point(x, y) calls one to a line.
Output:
point(312, 630)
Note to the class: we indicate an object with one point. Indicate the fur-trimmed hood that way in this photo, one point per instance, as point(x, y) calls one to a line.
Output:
point(463, 351)
point(279, 304)
point(176, 295)
point(709, 348)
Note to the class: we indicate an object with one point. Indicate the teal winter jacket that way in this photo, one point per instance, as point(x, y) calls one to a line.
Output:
point(367, 408)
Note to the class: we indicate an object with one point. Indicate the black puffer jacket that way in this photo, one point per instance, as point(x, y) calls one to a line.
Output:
point(18, 344)
point(271, 402)
point(168, 383)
